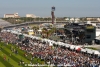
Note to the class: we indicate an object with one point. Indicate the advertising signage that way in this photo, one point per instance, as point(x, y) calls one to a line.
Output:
point(90, 27)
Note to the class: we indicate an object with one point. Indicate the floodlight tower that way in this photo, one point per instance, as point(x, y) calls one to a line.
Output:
point(52, 13)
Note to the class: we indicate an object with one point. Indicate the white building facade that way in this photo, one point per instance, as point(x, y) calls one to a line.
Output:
point(30, 15)
point(15, 15)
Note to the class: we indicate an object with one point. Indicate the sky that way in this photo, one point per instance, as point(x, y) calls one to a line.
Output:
point(42, 8)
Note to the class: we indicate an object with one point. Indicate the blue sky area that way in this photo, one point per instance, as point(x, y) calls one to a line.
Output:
point(68, 8)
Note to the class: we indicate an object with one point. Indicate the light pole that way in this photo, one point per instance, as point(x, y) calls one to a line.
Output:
point(72, 35)
point(93, 42)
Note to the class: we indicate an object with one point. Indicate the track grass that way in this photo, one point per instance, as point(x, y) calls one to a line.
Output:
point(12, 59)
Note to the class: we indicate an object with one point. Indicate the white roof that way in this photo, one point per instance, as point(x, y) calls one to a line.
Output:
point(83, 50)
point(96, 52)
point(88, 22)
point(72, 46)
point(77, 47)
point(98, 37)
point(67, 45)
point(90, 51)
point(97, 33)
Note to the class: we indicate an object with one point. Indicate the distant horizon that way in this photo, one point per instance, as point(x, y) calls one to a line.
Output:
point(48, 16)
point(65, 8)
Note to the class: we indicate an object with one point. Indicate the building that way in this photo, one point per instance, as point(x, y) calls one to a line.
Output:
point(30, 15)
point(80, 32)
point(15, 15)
point(4, 23)
point(98, 19)
point(72, 19)
point(91, 18)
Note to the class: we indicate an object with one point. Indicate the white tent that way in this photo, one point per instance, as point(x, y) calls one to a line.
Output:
point(83, 50)
point(52, 41)
point(90, 51)
point(40, 30)
point(88, 22)
point(77, 47)
point(60, 43)
point(67, 45)
point(97, 52)
point(50, 44)
point(55, 43)
point(72, 46)
point(14, 32)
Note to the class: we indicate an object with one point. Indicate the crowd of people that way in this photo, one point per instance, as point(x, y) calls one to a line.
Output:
point(55, 55)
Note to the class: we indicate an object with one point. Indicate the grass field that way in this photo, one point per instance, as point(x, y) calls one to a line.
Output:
point(93, 48)
point(11, 59)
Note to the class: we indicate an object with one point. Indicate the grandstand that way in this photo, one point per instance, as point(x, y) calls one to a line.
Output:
point(4, 23)
point(36, 50)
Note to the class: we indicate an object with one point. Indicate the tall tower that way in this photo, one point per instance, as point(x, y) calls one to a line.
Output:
point(52, 13)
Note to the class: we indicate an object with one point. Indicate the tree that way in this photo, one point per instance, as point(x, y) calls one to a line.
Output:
point(47, 32)
point(35, 28)
point(44, 31)
point(83, 19)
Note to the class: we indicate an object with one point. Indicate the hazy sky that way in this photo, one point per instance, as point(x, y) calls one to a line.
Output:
point(68, 8)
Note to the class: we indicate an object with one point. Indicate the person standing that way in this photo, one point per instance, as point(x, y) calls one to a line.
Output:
point(8, 60)
point(4, 57)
